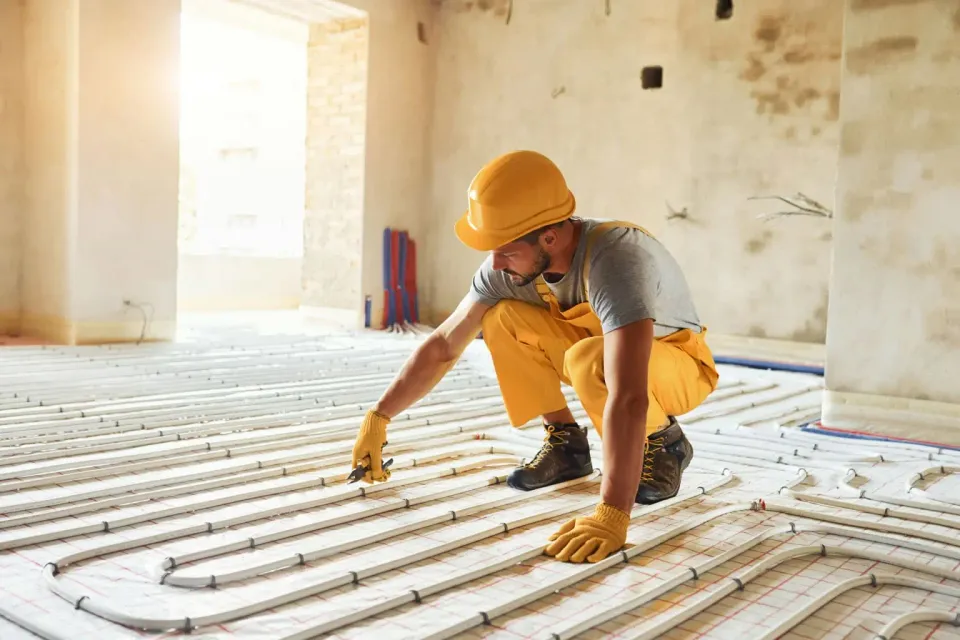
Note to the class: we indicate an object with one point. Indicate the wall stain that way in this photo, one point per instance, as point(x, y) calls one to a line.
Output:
point(790, 134)
point(815, 131)
point(815, 329)
point(798, 56)
point(805, 95)
point(869, 5)
point(880, 53)
point(826, 236)
point(855, 206)
point(928, 174)
point(769, 31)
point(956, 19)
point(770, 102)
point(757, 244)
point(756, 331)
point(755, 69)
point(808, 76)
point(851, 138)
point(834, 101)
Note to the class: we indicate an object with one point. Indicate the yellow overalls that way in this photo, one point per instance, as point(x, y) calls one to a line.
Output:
point(534, 349)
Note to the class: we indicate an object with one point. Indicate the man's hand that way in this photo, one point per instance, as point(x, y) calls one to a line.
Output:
point(368, 449)
point(590, 538)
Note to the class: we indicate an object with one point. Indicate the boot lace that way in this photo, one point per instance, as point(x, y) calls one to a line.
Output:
point(652, 448)
point(551, 440)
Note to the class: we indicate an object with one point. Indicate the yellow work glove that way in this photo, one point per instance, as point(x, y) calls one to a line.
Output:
point(590, 538)
point(368, 449)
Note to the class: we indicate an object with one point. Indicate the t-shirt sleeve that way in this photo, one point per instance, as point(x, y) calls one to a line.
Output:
point(623, 281)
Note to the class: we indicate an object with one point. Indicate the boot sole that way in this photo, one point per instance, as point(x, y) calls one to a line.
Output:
point(564, 477)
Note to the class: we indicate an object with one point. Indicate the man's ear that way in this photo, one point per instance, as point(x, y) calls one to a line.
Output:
point(548, 238)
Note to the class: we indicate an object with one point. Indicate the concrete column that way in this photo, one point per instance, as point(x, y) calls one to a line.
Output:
point(894, 318)
point(336, 132)
point(102, 163)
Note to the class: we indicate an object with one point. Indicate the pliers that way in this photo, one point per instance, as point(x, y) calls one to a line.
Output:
point(361, 471)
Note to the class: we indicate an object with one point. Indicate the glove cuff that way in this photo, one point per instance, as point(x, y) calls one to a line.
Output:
point(611, 516)
point(378, 417)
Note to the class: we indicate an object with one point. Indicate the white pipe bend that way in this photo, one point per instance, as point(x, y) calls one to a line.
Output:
point(890, 629)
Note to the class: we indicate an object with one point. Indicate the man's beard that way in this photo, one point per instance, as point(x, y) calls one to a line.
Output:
point(543, 263)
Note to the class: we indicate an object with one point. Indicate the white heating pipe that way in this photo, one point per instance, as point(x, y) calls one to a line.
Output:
point(289, 437)
point(890, 629)
point(510, 560)
point(920, 475)
point(310, 483)
point(879, 511)
point(93, 604)
point(697, 415)
point(331, 443)
point(846, 488)
point(676, 578)
point(735, 438)
point(873, 579)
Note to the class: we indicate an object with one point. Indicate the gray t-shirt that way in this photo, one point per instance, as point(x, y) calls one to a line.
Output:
point(632, 277)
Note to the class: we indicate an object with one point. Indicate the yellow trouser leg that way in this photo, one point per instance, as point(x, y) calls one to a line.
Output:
point(528, 346)
point(676, 382)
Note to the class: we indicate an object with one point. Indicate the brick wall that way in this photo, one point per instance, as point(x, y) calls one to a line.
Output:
point(333, 220)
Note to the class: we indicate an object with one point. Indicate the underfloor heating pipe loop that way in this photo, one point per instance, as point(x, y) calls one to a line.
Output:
point(408, 596)
point(890, 630)
point(846, 488)
point(98, 605)
point(939, 470)
point(659, 625)
point(502, 452)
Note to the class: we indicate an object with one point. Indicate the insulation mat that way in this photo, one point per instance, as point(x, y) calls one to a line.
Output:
point(197, 488)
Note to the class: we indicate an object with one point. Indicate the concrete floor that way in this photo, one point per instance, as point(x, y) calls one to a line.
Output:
point(226, 451)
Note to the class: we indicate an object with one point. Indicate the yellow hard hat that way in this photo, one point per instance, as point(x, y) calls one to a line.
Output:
point(511, 196)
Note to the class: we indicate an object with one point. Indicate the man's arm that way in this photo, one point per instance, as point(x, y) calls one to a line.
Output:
point(626, 358)
point(433, 358)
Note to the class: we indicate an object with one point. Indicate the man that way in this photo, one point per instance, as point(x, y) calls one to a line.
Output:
point(601, 306)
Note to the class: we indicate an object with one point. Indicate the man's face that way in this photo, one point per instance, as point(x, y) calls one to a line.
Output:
point(522, 261)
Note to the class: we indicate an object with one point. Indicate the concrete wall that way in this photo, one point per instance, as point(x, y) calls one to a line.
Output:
point(895, 289)
point(225, 283)
point(101, 158)
point(11, 163)
point(400, 86)
point(51, 29)
point(336, 125)
point(748, 107)
point(129, 167)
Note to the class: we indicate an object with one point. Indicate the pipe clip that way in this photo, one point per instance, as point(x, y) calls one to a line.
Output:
point(739, 583)
point(486, 618)
point(416, 596)
point(187, 626)
point(873, 580)
point(56, 569)
point(79, 602)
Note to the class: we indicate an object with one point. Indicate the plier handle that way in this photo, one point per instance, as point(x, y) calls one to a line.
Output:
point(361, 471)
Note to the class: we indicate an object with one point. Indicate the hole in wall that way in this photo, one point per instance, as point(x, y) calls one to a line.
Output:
point(421, 33)
point(652, 77)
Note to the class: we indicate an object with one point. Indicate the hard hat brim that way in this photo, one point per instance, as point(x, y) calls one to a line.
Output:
point(488, 241)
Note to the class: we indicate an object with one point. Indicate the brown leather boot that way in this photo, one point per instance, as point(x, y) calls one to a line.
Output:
point(667, 454)
point(565, 455)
